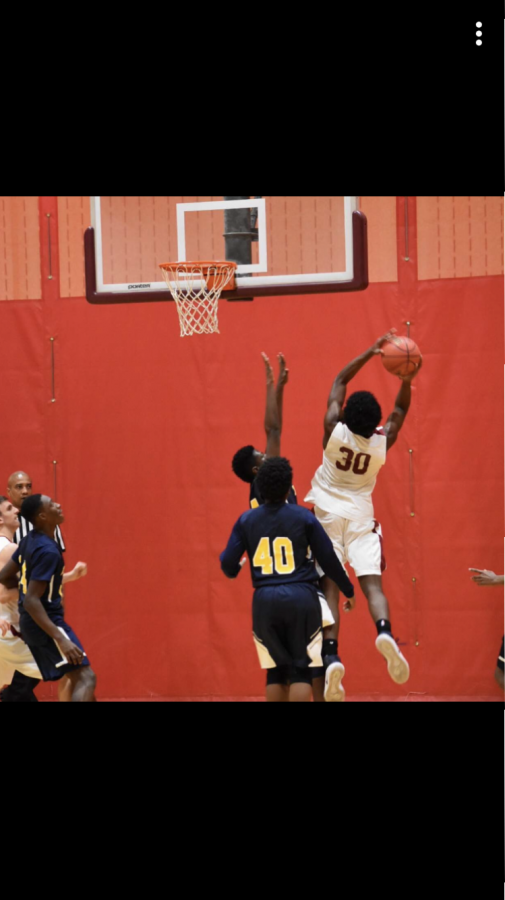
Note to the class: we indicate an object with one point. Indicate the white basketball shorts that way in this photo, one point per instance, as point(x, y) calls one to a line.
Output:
point(15, 655)
point(326, 612)
point(356, 541)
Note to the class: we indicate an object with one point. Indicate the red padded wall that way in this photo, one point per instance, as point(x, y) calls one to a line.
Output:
point(143, 431)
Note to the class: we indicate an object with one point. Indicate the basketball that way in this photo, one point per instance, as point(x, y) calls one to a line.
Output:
point(400, 355)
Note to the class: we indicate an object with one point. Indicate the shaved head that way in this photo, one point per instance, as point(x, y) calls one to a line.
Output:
point(17, 476)
point(19, 487)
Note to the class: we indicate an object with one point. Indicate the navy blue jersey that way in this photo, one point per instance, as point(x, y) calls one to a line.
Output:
point(279, 539)
point(255, 498)
point(41, 559)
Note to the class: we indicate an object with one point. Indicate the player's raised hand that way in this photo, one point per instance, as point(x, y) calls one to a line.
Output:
point(485, 577)
point(283, 372)
point(376, 348)
point(4, 626)
point(73, 653)
point(268, 368)
point(414, 373)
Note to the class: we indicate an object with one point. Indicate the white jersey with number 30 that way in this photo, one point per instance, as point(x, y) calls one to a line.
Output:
point(343, 484)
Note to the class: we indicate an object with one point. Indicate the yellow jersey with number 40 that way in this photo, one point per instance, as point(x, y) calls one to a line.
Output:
point(343, 484)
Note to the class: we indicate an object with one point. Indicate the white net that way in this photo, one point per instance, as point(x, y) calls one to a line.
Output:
point(196, 288)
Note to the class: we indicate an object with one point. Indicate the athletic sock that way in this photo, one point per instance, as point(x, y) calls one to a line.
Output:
point(383, 626)
point(330, 647)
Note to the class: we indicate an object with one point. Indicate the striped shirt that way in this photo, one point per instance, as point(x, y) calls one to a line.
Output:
point(25, 527)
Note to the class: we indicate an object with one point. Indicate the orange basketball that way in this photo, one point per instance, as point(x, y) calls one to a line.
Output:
point(400, 355)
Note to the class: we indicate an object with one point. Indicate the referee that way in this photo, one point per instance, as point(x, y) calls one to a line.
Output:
point(19, 486)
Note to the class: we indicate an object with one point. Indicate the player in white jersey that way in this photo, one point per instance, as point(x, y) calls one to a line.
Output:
point(355, 449)
point(14, 653)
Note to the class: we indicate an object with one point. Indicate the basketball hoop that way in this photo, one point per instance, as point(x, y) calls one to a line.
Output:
point(196, 288)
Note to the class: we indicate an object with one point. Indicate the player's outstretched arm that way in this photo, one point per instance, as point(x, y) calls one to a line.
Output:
point(231, 556)
point(486, 578)
point(273, 420)
point(279, 388)
point(339, 387)
point(402, 405)
point(34, 608)
point(326, 557)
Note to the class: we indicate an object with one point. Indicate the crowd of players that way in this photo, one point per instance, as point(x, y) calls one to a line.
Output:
point(297, 557)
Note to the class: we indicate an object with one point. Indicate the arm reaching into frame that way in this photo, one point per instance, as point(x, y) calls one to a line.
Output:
point(486, 578)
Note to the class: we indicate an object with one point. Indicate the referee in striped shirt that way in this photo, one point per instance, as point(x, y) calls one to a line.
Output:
point(19, 486)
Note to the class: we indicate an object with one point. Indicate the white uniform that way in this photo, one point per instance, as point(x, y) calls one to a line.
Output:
point(14, 653)
point(342, 494)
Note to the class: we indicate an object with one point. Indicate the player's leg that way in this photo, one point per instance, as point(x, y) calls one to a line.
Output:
point(318, 673)
point(64, 690)
point(334, 670)
point(20, 690)
point(365, 554)
point(22, 669)
point(300, 623)
point(83, 683)
point(398, 667)
point(271, 653)
point(299, 692)
point(277, 690)
point(371, 585)
point(499, 678)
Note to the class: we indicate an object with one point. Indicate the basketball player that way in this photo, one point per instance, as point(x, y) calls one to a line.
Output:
point(279, 538)
point(19, 486)
point(55, 647)
point(355, 448)
point(15, 657)
point(487, 578)
point(247, 463)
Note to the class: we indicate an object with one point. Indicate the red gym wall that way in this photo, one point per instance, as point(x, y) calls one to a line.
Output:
point(144, 425)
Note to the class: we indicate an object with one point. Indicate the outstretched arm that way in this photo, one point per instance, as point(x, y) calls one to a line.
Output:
point(486, 577)
point(339, 387)
point(402, 404)
point(273, 410)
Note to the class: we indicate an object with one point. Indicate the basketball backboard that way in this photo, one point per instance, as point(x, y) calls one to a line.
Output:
point(283, 245)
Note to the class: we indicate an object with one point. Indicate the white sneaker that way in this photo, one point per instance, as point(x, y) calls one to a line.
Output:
point(398, 666)
point(333, 690)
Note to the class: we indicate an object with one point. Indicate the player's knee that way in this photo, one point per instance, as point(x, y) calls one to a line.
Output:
point(89, 677)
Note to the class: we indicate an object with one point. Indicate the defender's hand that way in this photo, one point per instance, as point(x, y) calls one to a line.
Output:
point(485, 577)
point(376, 348)
point(268, 368)
point(73, 653)
point(4, 626)
point(283, 372)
